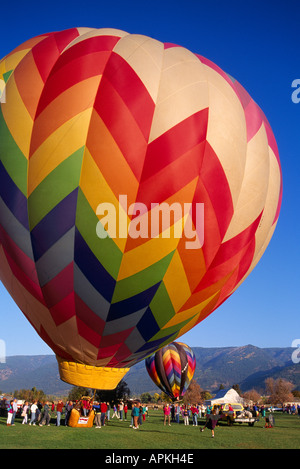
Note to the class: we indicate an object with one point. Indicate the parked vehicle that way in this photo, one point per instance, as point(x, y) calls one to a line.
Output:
point(235, 413)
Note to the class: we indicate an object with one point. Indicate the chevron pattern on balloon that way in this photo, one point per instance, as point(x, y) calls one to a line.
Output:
point(92, 114)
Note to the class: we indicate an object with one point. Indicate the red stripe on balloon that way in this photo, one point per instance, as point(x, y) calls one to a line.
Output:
point(92, 320)
point(29, 285)
point(60, 286)
point(72, 73)
point(64, 310)
point(24, 262)
point(47, 51)
point(176, 142)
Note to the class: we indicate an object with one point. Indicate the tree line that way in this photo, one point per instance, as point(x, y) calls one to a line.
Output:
point(277, 391)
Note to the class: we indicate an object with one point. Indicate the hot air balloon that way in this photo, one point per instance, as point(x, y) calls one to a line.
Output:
point(172, 368)
point(139, 186)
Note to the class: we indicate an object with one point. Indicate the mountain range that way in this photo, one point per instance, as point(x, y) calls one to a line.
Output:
point(248, 366)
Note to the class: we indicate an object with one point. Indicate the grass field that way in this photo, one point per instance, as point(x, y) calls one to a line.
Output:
point(153, 435)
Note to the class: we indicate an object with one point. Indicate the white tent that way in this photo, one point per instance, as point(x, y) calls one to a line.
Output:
point(225, 396)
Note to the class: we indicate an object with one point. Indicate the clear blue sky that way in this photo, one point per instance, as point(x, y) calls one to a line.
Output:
point(257, 42)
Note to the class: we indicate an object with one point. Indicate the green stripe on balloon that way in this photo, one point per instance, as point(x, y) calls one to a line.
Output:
point(55, 187)
point(12, 157)
point(142, 280)
point(106, 250)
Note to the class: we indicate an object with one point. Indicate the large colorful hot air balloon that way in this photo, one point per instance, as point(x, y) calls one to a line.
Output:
point(172, 369)
point(101, 133)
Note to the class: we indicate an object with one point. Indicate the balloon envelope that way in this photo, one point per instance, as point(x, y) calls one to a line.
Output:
point(172, 369)
point(110, 145)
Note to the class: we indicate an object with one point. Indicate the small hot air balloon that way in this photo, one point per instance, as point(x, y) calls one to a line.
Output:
point(172, 368)
point(139, 186)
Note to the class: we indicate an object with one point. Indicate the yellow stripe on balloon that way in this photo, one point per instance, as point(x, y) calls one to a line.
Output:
point(91, 177)
point(176, 283)
point(11, 61)
point(17, 117)
point(110, 160)
point(192, 313)
point(58, 147)
point(67, 105)
point(145, 255)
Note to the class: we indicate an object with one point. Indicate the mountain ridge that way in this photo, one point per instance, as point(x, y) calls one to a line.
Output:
point(246, 365)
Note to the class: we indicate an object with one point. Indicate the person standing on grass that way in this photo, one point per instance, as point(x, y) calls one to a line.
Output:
point(121, 408)
point(186, 416)
point(46, 416)
point(135, 414)
point(69, 406)
point(15, 410)
point(59, 409)
point(103, 408)
point(10, 412)
point(24, 413)
point(167, 414)
point(108, 412)
point(33, 409)
point(97, 410)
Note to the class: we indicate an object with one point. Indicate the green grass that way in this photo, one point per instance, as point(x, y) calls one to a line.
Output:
point(153, 435)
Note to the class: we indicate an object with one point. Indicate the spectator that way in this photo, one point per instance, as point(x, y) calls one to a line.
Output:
point(167, 414)
point(15, 410)
point(59, 409)
point(33, 410)
point(115, 414)
point(69, 407)
point(186, 416)
point(121, 408)
point(85, 406)
point(97, 410)
point(103, 409)
point(195, 412)
point(135, 414)
point(46, 415)
point(24, 413)
point(140, 415)
point(125, 411)
point(108, 412)
point(10, 412)
point(177, 412)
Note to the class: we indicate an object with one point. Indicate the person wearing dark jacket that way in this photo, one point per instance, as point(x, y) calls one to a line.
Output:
point(211, 422)
point(46, 415)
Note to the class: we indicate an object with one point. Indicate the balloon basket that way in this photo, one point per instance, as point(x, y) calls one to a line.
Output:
point(78, 421)
point(89, 376)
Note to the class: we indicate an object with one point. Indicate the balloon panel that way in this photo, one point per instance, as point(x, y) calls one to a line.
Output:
point(100, 116)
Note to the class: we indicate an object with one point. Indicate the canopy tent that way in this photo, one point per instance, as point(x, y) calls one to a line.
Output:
point(225, 396)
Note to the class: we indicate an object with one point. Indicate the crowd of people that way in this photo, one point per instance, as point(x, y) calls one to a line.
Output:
point(173, 413)
point(41, 413)
point(37, 413)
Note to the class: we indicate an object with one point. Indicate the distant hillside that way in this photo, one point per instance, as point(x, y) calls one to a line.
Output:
point(247, 366)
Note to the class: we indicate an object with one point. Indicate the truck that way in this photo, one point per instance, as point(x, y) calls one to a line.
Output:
point(235, 413)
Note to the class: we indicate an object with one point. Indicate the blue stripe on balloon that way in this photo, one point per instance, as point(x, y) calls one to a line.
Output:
point(132, 304)
point(93, 270)
point(54, 225)
point(147, 326)
point(13, 198)
point(152, 346)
